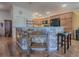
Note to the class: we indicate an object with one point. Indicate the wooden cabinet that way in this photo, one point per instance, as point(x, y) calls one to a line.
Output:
point(65, 21)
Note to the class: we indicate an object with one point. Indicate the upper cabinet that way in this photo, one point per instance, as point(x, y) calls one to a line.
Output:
point(64, 20)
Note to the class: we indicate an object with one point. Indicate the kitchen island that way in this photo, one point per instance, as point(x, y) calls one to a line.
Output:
point(43, 38)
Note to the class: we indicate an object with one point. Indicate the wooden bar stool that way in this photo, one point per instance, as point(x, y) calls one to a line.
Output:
point(63, 41)
point(68, 40)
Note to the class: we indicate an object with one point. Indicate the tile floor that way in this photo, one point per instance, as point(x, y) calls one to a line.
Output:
point(6, 50)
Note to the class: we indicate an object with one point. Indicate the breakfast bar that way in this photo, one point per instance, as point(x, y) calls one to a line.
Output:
point(40, 39)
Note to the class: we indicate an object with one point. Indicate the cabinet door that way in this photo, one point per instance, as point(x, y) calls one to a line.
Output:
point(66, 22)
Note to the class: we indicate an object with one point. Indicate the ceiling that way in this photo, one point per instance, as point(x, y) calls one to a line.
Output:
point(43, 7)
point(5, 6)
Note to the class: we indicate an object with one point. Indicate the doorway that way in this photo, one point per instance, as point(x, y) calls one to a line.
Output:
point(8, 28)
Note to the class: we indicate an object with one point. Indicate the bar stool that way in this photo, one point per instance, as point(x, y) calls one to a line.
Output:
point(63, 41)
point(68, 40)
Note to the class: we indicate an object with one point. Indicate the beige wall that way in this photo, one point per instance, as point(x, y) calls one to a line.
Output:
point(75, 20)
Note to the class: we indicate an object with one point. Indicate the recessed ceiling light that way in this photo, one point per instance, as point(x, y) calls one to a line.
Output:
point(48, 12)
point(39, 15)
point(64, 5)
point(36, 13)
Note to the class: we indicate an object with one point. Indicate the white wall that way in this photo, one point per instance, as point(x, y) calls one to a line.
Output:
point(18, 20)
point(4, 15)
point(20, 15)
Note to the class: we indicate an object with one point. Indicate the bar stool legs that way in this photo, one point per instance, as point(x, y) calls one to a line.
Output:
point(62, 41)
point(57, 42)
point(65, 41)
point(68, 42)
point(64, 44)
point(70, 39)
